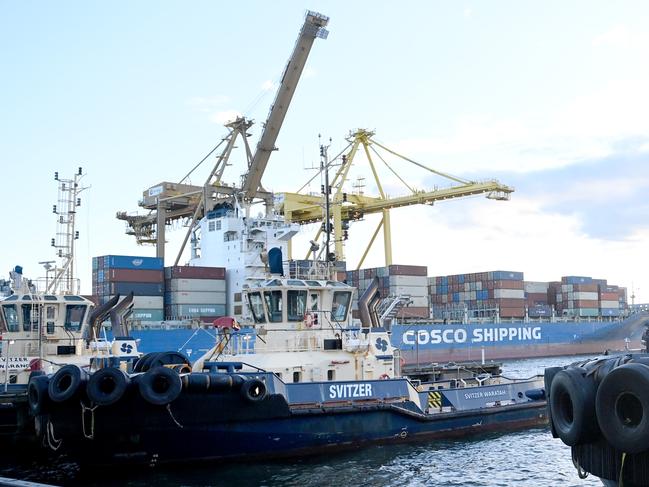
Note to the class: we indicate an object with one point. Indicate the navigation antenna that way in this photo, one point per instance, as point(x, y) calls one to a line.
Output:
point(326, 191)
point(60, 279)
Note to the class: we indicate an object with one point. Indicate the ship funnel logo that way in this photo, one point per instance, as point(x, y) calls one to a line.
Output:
point(126, 348)
point(381, 344)
point(137, 262)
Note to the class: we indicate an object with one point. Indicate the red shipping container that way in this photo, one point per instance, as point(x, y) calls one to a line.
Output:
point(407, 270)
point(133, 275)
point(586, 288)
point(510, 303)
point(512, 312)
point(194, 272)
point(608, 296)
point(508, 284)
point(586, 303)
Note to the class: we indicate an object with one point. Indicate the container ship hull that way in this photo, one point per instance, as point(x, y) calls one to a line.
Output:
point(426, 342)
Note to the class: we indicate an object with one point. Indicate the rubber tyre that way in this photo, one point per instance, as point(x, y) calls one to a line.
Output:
point(107, 386)
point(143, 363)
point(623, 407)
point(67, 381)
point(37, 394)
point(572, 406)
point(169, 358)
point(160, 386)
point(253, 390)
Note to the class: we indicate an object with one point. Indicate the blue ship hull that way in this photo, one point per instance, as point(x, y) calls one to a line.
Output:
point(434, 342)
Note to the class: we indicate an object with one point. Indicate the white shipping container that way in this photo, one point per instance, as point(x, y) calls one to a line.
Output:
point(478, 286)
point(419, 301)
point(196, 297)
point(408, 281)
point(411, 290)
point(592, 296)
point(536, 287)
point(609, 304)
point(566, 288)
point(189, 285)
point(509, 294)
point(432, 281)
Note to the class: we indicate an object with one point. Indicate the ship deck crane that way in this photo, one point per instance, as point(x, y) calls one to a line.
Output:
point(345, 207)
point(168, 202)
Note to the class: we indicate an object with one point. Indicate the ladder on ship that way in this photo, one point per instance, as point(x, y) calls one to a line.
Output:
point(390, 307)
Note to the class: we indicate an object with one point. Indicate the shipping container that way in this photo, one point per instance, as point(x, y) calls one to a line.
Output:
point(512, 312)
point(508, 284)
point(540, 311)
point(130, 275)
point(509, 293)
point(585, 296)
point(609, 304)
point(407, 270)
point(196, 297)
point(610, 311)
point(536, 287)
point(194, 272)
point(194, 310)
point(189, 285)
point(147, 314)
point(576, 280)
point(137, 288)
point(506, 275)
point(132, 262)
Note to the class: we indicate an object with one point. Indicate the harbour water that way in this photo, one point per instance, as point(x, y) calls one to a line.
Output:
point(525, 458)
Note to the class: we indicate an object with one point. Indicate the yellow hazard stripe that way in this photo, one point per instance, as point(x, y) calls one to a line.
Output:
point(434, 399)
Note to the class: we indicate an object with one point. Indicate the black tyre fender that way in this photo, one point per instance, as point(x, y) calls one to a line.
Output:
point(253, 390)
point(548, 376)
point(623, 407)
point(143, 363)
point(37, 394)
point(66, 383)
point(169, 358)
point(107, 386)
point(160, 386)
point(572, 406)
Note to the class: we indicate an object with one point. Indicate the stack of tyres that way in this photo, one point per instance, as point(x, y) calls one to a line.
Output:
point(600, 408)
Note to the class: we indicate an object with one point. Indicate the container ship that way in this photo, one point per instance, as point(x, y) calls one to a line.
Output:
point(467, 317)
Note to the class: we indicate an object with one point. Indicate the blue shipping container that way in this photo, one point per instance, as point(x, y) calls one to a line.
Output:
point(133, 262)
point(507, 276)
point(610, 311)
point(578, 280)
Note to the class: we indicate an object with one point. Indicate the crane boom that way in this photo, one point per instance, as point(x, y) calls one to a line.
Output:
point(314, 26)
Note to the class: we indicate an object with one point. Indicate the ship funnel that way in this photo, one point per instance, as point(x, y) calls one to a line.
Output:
point(367, 305)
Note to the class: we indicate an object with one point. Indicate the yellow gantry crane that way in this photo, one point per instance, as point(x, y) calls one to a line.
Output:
point(346, 207)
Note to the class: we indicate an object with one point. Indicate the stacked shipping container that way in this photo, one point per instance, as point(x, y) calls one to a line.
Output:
point(484, 292)
point(195, 292)
point(584, 296)
point(395, 280)
point(123, 274)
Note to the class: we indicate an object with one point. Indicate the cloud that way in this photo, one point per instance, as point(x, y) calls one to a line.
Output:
point(207, 103)
point(268, 85)
point(224, 116)
point(621, 36)
point(468, 12)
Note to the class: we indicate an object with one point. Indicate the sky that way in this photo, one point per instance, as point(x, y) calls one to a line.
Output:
point(550, 98)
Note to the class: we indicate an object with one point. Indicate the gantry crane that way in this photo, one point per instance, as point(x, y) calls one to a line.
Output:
point(168, 202)
point(345, 207)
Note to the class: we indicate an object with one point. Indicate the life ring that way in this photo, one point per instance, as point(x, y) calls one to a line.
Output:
point(572, 406)
point(160, 385)
point(309, 319)
point(253, 390)
point(107, 386)
point(384, 377)
point(37, 394)
point(66, 382)
point(622, 407)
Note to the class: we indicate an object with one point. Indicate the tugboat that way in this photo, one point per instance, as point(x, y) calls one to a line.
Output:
point(600, 408)
point(300, 379)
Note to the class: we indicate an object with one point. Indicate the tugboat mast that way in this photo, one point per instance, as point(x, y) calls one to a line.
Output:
point(61, 280)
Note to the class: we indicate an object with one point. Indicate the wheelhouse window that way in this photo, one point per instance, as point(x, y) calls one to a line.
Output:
point(50, 316)
point(10, 317)
point(274, 305)
point(340, 305)
point(296, 305)
point(30, 317)
point(74, 314)
point(257, 307)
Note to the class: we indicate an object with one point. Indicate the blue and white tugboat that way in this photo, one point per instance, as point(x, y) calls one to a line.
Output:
point(302, 378)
